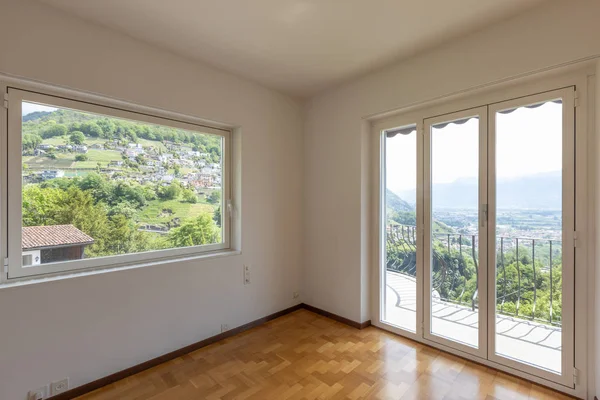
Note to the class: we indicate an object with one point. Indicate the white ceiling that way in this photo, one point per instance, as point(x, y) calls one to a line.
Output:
point(299, 47)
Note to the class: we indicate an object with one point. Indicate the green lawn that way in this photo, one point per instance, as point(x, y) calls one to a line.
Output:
point(152, 213)
point(98, 156)
point(45, 162)
point(152, 143)
point(55, 141)
point(67, 160)
point(58, 140)
point(74, 173)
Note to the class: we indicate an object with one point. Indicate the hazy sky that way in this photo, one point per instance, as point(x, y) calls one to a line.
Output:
point(529, 142)
point(28, 108)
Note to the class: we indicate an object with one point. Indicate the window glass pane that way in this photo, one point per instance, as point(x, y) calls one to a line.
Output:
point(96, 185)
point(454, 231)
point(529, 228)
point(400, 275)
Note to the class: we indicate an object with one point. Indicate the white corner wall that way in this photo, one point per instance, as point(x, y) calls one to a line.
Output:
point(336, 269)
point(301, 209)
point(89, 327)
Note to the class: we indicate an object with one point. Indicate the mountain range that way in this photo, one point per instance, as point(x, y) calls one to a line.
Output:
point(540, 191)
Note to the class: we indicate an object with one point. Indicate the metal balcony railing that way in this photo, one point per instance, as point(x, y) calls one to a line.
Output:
point(528, 271)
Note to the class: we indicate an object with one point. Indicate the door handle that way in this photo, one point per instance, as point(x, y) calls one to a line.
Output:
point(484, 214)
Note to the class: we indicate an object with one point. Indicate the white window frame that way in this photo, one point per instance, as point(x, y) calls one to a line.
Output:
point(381, 135)
point(566, 95)
point(481, 114)
point(11, 152)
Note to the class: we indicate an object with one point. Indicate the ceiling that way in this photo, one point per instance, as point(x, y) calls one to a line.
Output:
point(299, 47)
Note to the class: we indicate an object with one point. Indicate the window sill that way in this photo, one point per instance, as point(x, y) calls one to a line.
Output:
point(16, 282)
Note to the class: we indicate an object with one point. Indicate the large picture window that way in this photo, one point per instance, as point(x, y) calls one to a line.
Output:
point(94, 186)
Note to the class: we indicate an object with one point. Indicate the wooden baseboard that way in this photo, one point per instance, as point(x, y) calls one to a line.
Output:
point(107, 380)
point(354, 324)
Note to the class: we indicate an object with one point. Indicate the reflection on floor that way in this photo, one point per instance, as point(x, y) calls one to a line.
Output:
point(304, 356)
point(520, 339)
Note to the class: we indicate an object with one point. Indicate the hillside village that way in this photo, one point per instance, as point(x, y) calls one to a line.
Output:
point(142, 164)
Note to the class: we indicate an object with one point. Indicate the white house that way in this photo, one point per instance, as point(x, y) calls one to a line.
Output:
point(80, 149)
point(52, 174)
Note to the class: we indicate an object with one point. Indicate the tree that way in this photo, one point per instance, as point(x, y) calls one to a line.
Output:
point(107, 126)
point(214, 197)
point(77, 207)
point(81, 157)
point(169, 192)
point(194, 232)
point(54, 130)
point(77, 137)
point(131, 192)
point(217, 216)
point(39, 205)
point(149, 192)
point(91, 129)
point(125, 208)
point(125, 237)
point(189, 196)
point(31, 141)
point(100, 187)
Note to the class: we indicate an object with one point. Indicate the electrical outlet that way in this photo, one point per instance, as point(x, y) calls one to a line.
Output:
point(224, 327)
point(246, 274)
point(59, 386)
point(38, 394)
point(296, 295)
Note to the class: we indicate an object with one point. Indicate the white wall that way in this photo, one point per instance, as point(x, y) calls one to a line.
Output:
point(336, 268)
point(89, 327)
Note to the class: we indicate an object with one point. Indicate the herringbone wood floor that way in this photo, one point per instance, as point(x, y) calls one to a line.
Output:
point(306, 356)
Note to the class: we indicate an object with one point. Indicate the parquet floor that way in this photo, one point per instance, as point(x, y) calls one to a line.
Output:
point(304, 356)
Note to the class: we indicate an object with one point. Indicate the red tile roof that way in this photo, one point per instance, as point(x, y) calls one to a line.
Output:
point(53, 236)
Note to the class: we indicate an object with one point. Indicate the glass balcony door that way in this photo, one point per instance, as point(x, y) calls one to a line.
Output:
point(531, 225)
point(477, 232)
point(455, 194)
point(401, 271)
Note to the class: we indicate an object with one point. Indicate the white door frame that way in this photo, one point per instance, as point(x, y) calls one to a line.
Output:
point(582, 77)
point(568, 228)
point(481, 114)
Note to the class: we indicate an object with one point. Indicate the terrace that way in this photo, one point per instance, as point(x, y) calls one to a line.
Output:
point(528, 325)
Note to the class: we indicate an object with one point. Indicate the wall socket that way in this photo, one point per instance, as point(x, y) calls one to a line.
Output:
point(246, 274)
point(44, 392)
point(296, 294)
point(38, 394)
point(59, 386)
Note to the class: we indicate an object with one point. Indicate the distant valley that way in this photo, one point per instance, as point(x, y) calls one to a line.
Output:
point(534, 192)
